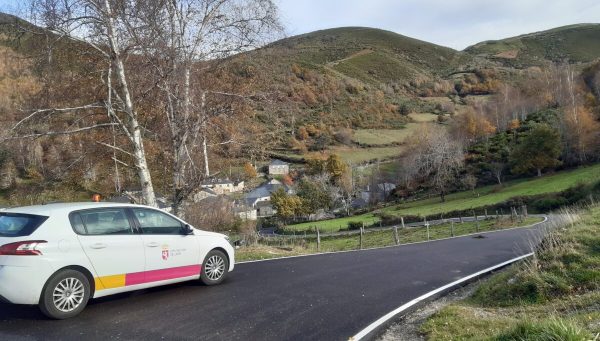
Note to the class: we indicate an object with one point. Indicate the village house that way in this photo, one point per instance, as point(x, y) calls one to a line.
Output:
point(379, 192)
point(260, 197)
point(245, 212)
point(223, 186)
point(278, 167)
point(202, 194)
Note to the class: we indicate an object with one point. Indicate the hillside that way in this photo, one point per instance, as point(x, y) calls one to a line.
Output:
point(367, 54)
point(488, 196)
point(357, 92)
point(575, 43)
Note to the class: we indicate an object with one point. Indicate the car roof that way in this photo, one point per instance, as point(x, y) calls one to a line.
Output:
point(57, 208)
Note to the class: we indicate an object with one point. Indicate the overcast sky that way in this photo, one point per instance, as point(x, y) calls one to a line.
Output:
point(452, 23)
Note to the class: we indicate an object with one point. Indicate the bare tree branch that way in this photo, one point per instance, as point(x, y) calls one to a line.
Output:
point(56, 110)
point(56, 133)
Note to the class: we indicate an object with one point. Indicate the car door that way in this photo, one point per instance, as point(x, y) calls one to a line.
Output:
point(169, 253)
point(113, 247)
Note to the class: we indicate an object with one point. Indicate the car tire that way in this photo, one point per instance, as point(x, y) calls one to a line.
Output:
point(214, 268)
point(65, 295)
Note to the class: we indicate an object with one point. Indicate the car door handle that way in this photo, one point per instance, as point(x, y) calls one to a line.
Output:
point(152, 244)
point(98, 246)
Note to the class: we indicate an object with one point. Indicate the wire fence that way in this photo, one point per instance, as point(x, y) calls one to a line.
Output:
point(394, 235)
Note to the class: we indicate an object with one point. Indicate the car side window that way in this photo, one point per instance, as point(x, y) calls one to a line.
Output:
point(101, 222)
point(156, 222)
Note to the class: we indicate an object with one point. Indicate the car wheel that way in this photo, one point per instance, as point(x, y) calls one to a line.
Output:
point(215, 268)
point(65, 295)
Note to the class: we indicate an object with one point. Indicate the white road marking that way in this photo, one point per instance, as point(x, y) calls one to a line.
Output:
point(381, 321)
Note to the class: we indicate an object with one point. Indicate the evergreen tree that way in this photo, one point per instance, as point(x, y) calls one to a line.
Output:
point(538, 149)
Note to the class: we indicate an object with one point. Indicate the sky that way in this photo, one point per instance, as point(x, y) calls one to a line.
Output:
point(453, 23)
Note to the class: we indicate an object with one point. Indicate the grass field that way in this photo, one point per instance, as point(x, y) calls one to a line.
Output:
point(352, 155)
point(483, 196)
point(371, 239)
point(359, 155)
point(423, 117)
point(382, 136)
point(553, 296)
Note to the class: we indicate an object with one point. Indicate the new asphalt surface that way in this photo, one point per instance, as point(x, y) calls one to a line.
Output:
point(321, 297)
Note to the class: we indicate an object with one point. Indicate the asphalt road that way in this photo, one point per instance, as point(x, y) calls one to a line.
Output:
point(323, 297)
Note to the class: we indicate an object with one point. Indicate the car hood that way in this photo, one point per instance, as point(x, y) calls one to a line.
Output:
point(209, 234)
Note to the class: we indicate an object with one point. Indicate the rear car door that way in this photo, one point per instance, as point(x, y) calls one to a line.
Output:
point(169, 253)
point(111, 244)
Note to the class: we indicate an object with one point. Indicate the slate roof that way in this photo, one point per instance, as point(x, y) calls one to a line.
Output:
point(386, 186)
point(263, 204)
point(265, 190)
point(278, 163)
point(209, 191)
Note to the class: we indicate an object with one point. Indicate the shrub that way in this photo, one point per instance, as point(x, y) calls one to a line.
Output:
point(548, 204)
point(354, 225)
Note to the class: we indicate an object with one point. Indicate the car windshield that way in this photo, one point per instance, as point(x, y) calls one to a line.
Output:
point(19, 225)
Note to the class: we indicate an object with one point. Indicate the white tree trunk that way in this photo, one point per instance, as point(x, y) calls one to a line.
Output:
point(205, 152)
point(134, 129)
point(204, 132)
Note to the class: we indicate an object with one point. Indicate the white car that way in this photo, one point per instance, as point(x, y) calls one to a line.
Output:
point(61, 255)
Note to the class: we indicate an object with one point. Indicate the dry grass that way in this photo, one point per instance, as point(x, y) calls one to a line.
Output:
point(554, 295)
point(423, 117)
point(258, 252)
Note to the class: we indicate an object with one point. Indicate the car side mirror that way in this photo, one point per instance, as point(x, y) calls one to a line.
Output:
point(186, 230)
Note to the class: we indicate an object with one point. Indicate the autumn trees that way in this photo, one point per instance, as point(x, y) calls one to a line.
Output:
point(145, 65)
point(100, 33)
point(327, 185)
point(183, 40)
point(436, 156)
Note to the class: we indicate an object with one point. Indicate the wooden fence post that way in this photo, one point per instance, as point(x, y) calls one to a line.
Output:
point(396, 239)
point(452, 228)
point(361, 236)
point(318, 240)
point(402, 221)
point(476, 221)
point(519, 215)
point(426, 226)
point(485, 212)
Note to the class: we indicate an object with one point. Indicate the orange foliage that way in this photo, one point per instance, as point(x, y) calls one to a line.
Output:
point(475, 125)
point(287, 180)
point(582, 130)
point(302, 133)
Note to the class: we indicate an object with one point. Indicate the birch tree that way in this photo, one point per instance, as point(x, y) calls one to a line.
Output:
point(101, 28)
point(188, 39)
